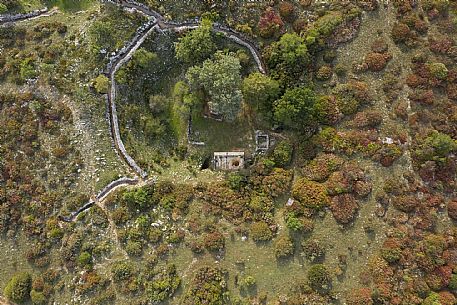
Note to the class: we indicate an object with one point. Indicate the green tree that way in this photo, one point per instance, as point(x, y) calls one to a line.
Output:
point(101, 84)
point(142, 58)
point(260, 91)
point(184, 98)
point(3, 8)
point(220, 79)
point(296, 109)
point(197, 45)
point(18, 288)
point(289, 55)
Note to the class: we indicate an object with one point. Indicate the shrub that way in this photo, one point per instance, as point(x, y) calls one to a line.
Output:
point(3, 8)
point(293, 223)
point(344, 208)
point(432, 299)
point(164, 285)
point(377, 61)
point(360, 296)
point(158, 104)
point(38, 297)
point(340, 69)
point(260, 205)
point(19, 287)
point(284, 247)
point(452, 209)
point(270, 23)
point(321, 167)
point(286, 10)
point(391, 250)
point(312, 250)
point(177, 236)
point(84, 259)
point(282, 154)
point(438, 70)
point(369, 118)
point(436, 146)
point(137, 198)
point(122, 271)
point(440, 5)
point(379, 46)
point(400, 33)
point(246, 282)
point(214, 241)
point(207, 287)
point(319, 277)
point(327, 110)
point(324, 73)
point(453, 282)
point(134, 248)
point(310, 194)
point(350, 96)
point(260, 231)
point(329, 56)
point(101, 84)
point(275, 183)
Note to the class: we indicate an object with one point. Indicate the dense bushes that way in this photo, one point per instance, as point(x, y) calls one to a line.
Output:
point(19, 287)
point(260, 231)
point(207, 287)
point(310, 194)
point(283, 247)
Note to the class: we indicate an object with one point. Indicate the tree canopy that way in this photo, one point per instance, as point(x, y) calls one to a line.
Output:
point(196, 45)
point(288, 56)
point(296, 108)
point(220, 79)
point(260, 91)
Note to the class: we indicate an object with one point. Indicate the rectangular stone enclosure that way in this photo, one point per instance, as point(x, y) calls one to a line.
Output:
point(231, 160)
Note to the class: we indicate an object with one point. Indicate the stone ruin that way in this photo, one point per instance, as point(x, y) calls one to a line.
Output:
point(232, 160)
point(262, 141)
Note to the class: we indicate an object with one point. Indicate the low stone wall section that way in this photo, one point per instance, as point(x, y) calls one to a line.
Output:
point(8, 18)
